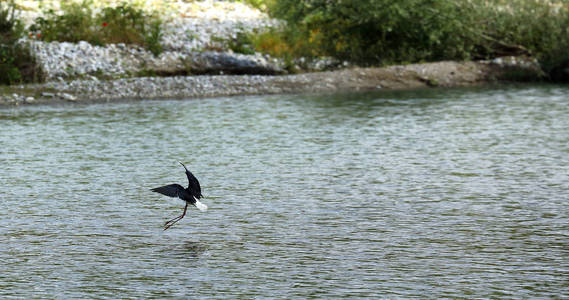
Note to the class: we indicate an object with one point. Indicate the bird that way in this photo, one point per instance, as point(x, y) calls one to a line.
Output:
point(191, 195)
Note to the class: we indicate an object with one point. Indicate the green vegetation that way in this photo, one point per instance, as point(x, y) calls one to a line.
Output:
point(125, 23)
point(260, 4)
point(275, 42)
point(16, 63)
point(380, 32)
point(374, 32)
point(365, 32)
point(241, 43)
point(541, 27)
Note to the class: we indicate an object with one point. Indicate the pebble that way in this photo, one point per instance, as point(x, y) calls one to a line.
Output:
point(66, 96)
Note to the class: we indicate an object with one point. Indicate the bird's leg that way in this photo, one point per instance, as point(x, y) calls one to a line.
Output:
point(172, 222)
point(169, 223)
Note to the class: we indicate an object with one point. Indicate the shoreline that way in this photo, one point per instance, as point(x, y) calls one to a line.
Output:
point(83, 73)
point(400, 77)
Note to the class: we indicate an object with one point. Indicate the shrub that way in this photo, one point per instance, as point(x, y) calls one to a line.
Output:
point(124, 23)
point(287, 43)
point(260, 4)
point(74, 25)
point(538, 26)
point(375, 32)
point(398, 31)
point(241, 43)
point(16, 63)
point(10, 29)
point(130, 25)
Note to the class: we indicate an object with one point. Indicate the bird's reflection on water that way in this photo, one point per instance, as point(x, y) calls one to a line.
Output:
point(187, 249)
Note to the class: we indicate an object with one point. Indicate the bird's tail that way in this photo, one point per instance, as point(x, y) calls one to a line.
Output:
point(200, 205)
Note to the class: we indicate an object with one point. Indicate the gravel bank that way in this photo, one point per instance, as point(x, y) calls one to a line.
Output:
point(441, 74)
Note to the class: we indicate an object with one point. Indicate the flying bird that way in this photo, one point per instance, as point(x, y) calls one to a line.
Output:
point(191, 195)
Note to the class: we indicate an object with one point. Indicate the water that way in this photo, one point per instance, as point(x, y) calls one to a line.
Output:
point(440, 193)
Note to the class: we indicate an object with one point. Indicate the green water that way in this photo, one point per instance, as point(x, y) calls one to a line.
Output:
point(425, 194)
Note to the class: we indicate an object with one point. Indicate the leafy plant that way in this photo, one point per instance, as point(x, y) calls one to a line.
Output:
point(16, 63)
point(241, 43)
point(10, 27)
point(376, 32)
point(260, 4)
point(74, 25)
point(125, 23)
point(153, 37)
point(540, 28)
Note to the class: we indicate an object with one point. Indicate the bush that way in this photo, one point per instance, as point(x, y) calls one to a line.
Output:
point(260, 4)
point(16, 63)
point(376, 32)
point(74, 25)
point(10, 29)
point(539, 27)
point(130, 25)
point(286, 43)
point(124, 23)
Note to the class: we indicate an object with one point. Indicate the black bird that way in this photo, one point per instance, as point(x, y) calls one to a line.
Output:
point(191, 195)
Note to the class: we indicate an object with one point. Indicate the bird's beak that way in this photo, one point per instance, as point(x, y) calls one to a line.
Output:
point(183, 165)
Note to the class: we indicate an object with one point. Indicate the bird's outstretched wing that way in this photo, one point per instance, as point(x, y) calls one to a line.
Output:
point(193, 183)
point(171, 190)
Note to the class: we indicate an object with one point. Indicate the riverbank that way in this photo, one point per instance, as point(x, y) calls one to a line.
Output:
point(415, 76)
point(197, 62)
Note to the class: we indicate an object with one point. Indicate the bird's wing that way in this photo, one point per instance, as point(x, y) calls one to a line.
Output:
point(193, 183)
point(171, 190)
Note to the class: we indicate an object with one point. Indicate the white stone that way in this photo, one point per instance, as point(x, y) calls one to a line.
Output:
point(67, 97)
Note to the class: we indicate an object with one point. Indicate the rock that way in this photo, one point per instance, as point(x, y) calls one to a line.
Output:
point(230, 63)
point(84, 46)
point(320, 64)
point(66, 96)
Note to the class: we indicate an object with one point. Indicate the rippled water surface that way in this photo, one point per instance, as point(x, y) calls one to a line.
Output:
point(441, 193)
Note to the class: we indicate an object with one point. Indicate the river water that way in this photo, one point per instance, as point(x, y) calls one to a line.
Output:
point(425, 194)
